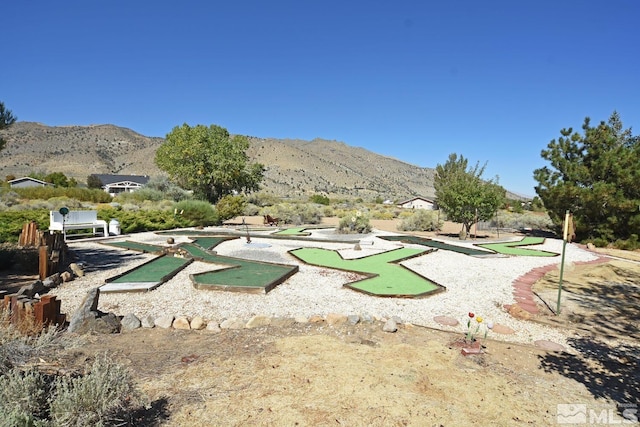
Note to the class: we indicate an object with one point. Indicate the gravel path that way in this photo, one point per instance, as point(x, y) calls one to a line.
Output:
point(480, 285)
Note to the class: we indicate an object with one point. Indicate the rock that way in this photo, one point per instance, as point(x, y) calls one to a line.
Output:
point(87, 311)
point(181, 322)
point(549, 345)
point(52, 281)
point(147, 321)
point(591, 246)
point(301, 319)
point(316, 318)
point(390, 326)
point(502, 329)
point(516, 311)
point(233, 323)
point(36, 287)
point(76, 269)
point(446, 321)
point(258, 321)
point(130, 322)
point(164, 322)
point(66, 276)
point(353, 319)
point(213, 327)
point(336, 319)
point(357, 247)
point(197, 323)
point(170, 241)
point(366, 318)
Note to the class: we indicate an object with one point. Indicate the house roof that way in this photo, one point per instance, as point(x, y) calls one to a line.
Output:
point(417, 198)
point(107, 179)
point(27, 178)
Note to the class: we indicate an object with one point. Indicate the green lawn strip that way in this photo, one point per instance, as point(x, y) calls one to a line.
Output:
point(135, 246)
point(385, 276)
point(296, 231)
point(417, 240)
point(210, 242)
point(514, 248)
point(240, 274)
point(159, 269)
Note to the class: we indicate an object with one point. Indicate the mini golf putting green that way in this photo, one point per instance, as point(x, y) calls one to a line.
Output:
point(515, 248)
point(295, 231)
point(417, 240)
point(147, 276)
point(240, 275)
point(135, 246)
point(386, 277)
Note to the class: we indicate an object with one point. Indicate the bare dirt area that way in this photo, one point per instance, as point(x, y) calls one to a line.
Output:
point(318, 374)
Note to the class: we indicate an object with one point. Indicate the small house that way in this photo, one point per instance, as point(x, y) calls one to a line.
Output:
point(418, 203)
point(27, 181)
point(116, 184)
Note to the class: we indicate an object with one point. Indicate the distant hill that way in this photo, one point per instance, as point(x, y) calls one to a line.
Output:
point(295, 168)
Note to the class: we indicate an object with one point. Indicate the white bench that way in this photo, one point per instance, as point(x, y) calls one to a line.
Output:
point(76, 220)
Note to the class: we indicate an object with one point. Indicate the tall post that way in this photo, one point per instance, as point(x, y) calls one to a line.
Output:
point(565, 236)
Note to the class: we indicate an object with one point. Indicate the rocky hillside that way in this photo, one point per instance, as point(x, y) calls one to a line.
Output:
point(294, 167)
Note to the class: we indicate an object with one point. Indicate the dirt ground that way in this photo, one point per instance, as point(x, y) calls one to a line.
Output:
point(357, 375)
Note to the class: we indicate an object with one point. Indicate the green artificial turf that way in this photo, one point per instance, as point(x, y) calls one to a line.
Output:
point(515, 248)
point(386, 276)
point(156, 270)
point(417, 240)
point(135, 246)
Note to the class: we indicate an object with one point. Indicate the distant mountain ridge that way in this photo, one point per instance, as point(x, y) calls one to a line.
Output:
point(294, 168)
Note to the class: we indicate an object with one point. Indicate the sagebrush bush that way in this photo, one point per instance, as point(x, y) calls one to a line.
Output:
point(295, 213)
point(95, 398)
point(81, 194)
point(356, 222)
point(421, 220)
point(197, 212)
point(23, 398)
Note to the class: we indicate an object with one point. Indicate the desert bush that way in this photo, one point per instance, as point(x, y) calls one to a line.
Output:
point(295, 213)
point(170, 190)
point(251, 210)
point(319, 199)
point(197, 212)
point(82, 194)
point(263, 199)
point(230, 207)
point(94, 398)
point(140, 196)
point(421, 220)
point(145, 220)
point(381, 213)
point(11, 222)
point(23, 398)
point(357, 222)
point(513, 220)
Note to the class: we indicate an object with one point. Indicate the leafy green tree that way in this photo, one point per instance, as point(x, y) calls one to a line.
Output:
point(462, 193)
point(208, 161)
point(594, 175)
point(6, 120)
point(60, 180)
point(94, 182)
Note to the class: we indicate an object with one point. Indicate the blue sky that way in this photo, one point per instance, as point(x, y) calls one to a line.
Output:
point(416, 80)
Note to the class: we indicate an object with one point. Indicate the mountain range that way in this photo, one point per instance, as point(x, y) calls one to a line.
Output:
point(294, 168)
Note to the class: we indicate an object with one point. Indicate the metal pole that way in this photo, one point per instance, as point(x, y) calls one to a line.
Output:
point(565, 235)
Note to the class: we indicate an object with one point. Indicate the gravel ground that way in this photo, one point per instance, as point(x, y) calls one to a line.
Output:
point(480, 285)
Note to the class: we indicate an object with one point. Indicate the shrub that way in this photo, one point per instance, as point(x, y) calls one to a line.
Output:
point(354, 223)
point(11, 222)
point(94, 398)
point(23, 398)
point(197, 212)
point(82, 194)
point(295, 213)
point(230, 207)
point(319, 199)
point(421, 220)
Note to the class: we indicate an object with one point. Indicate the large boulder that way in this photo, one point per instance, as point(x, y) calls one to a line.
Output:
point(87, 318)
